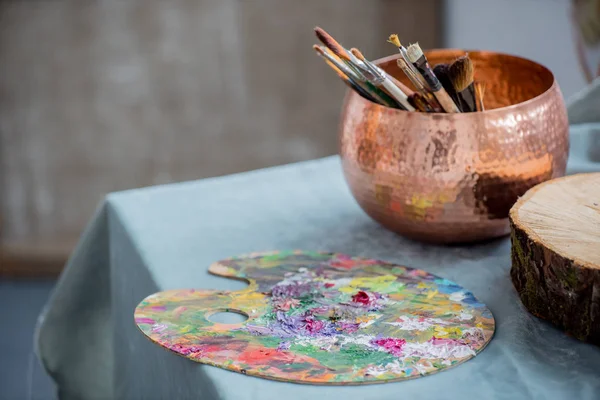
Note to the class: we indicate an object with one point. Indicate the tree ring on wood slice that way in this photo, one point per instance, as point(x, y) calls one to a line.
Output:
point(555, 236)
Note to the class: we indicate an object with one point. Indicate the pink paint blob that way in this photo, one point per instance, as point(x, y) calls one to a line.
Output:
point(392, 345)
point(145, 321)
point(314, 325)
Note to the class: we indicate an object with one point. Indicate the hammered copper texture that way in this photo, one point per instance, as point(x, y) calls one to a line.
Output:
point(448, 178)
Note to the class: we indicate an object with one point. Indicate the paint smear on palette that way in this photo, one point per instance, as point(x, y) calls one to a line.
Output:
point(322, 318)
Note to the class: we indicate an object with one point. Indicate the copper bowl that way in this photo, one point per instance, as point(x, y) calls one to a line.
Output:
point(448, 178)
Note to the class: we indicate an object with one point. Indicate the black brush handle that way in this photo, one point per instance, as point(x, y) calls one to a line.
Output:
point(470, 98)
point(467, 99)
point(362, 92)
point(441, 72)
point(423, 67)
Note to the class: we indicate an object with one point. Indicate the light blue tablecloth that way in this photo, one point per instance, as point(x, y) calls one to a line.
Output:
point(147, 240)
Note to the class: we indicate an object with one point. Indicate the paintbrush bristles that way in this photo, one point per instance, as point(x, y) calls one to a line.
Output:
point(462, 73)
point(331, 43)
point(321, 52)
point(318, 49)
point(329, 60)
point(454, 90)
point(414, 52)
point(393, 39)
point(357, 53)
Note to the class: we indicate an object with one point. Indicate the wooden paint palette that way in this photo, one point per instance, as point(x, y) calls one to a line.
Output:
point(322, 318)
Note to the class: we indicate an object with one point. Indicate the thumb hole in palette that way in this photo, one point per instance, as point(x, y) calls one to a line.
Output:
point(229, 317)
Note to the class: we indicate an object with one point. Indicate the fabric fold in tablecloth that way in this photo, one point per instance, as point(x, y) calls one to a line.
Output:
point(74, 335)
point(85, 342)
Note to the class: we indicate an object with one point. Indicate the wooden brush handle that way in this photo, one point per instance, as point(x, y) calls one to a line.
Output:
point(479, 94)
point(445, 101)
point(441, 72)
point(436, 86)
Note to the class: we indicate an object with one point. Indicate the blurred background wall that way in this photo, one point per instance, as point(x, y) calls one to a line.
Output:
point(98, 96)
point(536, 29)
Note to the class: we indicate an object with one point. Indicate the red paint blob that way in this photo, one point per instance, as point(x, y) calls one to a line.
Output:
point(362, 298)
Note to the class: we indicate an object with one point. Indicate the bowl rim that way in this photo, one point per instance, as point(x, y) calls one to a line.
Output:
point(553, 88)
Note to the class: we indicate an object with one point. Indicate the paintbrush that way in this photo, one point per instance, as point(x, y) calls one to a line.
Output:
point(411, 74)
point(350, 78)
point(462, 74)
point(418, 59)
point(479, 93)
point(337, 49)
point(441, 72)
point(418, 101)
point(426, 94)
point(384, 80)
point(357, 78)
point(415, 77)
point(358, 66)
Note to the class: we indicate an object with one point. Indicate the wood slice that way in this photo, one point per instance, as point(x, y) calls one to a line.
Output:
point(555, 235)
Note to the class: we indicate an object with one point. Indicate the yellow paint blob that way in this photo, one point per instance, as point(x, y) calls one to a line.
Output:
point(379, 284)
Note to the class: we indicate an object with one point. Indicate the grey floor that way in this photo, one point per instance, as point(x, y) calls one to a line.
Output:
point(21, 376)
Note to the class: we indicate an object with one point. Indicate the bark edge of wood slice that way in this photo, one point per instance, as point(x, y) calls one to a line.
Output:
point(555, 253)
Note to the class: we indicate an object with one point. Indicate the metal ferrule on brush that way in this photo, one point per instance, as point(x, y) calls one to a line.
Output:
point(380, 78)
point(369, 75)
point(355, 70)
point(372, 75)
point(412, 68)
point(375, 71)
point(375, 81)
point(372, 79)
point(350, 73)
point(419, 61)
